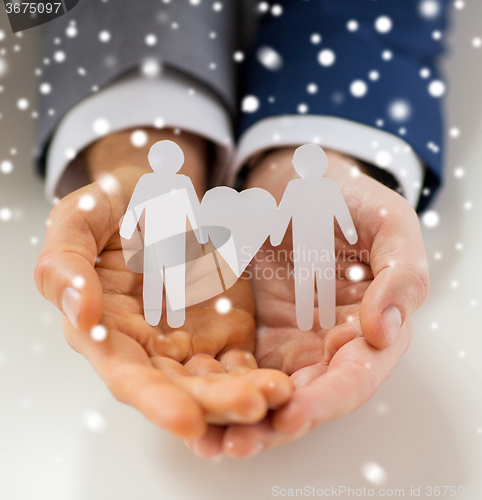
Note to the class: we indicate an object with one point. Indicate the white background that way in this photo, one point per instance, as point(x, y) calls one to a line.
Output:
point(423, 427)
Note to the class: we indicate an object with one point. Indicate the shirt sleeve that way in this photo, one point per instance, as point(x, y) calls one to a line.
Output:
point(168, 100)
point(365, 143)
point(356, 61)
point(99, 42)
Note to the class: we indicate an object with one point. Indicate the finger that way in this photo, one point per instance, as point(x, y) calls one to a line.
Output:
point(78, 228)
point(307, 374)
point(224, 397)
point(126, 369)
point(355, 373)
point(240, 441)
point(275, 385)
point(401, 282)
point(202, 365)
point(210, 445)
point(237, 360)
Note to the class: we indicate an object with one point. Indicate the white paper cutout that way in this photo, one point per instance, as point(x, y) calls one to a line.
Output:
point(312, 203)
point(231, 226)
point(167, 199)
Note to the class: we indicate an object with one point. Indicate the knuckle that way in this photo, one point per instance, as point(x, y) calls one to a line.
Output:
point(419, 281)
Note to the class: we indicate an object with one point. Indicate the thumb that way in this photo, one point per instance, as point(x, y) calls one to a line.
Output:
point(401, 281)
point(65, 272)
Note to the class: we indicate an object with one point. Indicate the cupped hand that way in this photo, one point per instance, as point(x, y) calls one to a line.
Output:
point(182, 379)
point(381, 281)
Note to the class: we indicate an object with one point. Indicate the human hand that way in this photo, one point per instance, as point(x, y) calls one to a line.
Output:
point(182, 379)
point(338, 370)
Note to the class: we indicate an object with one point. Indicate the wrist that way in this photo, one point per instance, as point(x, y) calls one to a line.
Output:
point(275, 170)
point(116, 150)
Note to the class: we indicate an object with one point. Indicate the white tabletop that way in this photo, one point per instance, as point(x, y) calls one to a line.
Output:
point(63, 436)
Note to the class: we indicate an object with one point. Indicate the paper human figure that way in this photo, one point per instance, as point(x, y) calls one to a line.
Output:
point(167, 199)
point(312, 203)
point(232, 226)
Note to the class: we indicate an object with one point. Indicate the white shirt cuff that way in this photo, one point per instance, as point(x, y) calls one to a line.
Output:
point(363, 142)
point(170, 100)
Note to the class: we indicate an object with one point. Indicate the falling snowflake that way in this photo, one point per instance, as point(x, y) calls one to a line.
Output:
point(22, 104)
point(263, 7)
point(436, 88)
point(352, 25)
point(358, 88)
point(238, 56)
point(94, 421)
point(383, 158)
point(315, 38)
point(139, 138)
point(430, 218)
point(425, 73)
point(250, 104)
point(387, 55)
point(312, 88)
point(98, 333)
point(71, 31)
point(374, 473)
point(269, 58)
point(151, 67)
point(59, 56)
point(6, 167)
point(151, 40)
point(45, 88)
point(78, 281)
point(326, 57)
point(399, 110)
point(383, 24)
point(5, 214)
point(429, 9)
point(101, 126)
point(104, 36)
point(159, 122)
point(355, 273)
point(86, 202)
point(223, 305)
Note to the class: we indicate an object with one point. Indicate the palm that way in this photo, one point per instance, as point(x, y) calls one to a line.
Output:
point(335, 371)
point(280, 344)
point(204, 371)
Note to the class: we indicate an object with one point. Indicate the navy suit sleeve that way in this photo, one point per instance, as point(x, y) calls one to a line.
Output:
point(402, 88)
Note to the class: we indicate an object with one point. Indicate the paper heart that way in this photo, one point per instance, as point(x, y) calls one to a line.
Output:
point(249, 215)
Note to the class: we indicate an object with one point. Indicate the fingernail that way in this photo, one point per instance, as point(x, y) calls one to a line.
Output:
point(71, 302)
point(391, 322)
